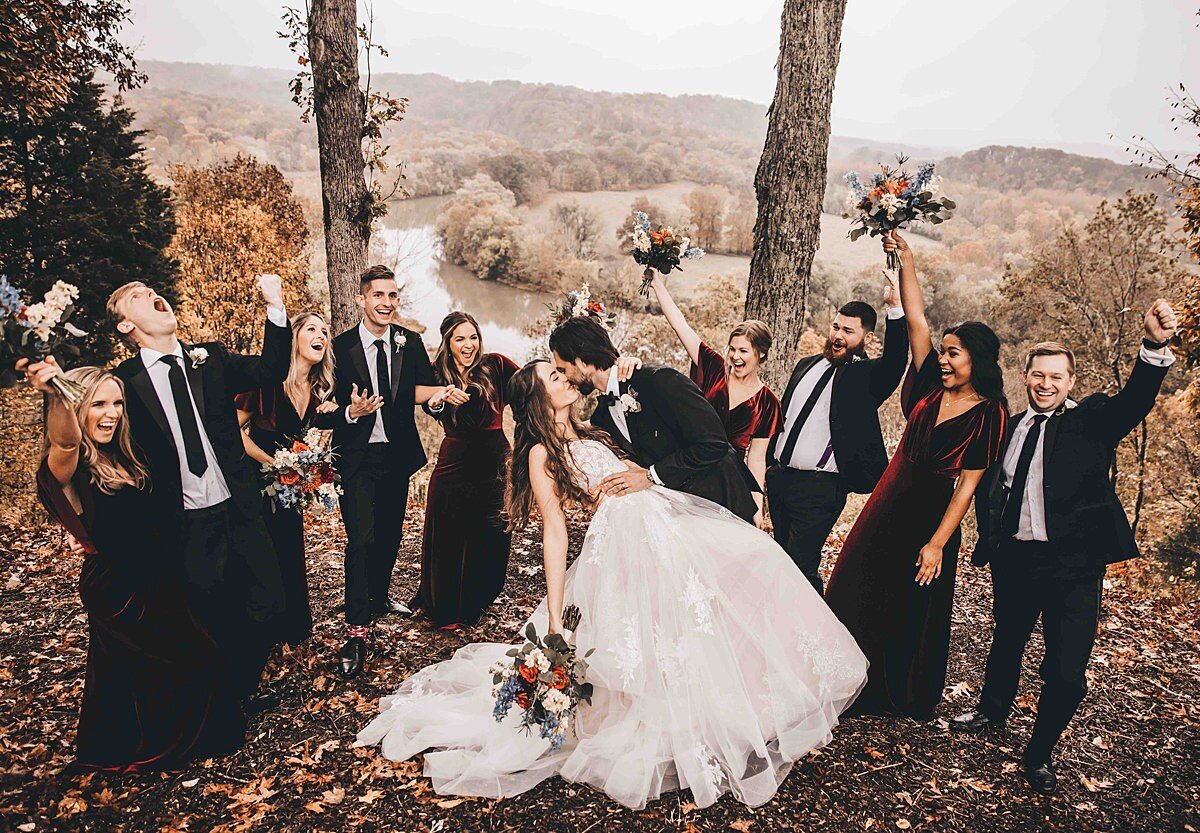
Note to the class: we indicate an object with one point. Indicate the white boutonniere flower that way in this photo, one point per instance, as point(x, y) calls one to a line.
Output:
point(198, 356)
point(401, 339)
point(628, 402)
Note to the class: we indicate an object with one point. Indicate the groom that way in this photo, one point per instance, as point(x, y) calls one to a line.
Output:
point(184, 422)
point(659, 418)
point(1050, 524)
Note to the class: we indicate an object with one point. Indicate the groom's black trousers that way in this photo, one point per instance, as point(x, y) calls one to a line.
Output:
point(375, 496)
point(1030, 579)
point(804, 507)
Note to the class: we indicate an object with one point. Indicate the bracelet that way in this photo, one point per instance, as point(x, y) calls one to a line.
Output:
point(1154, 345)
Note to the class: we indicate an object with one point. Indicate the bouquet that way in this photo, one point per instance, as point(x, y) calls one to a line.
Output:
point(545, 679)
point(662, 249)
point(34, 331)
point(302, 476)
point(894, 200)
point(580, 302)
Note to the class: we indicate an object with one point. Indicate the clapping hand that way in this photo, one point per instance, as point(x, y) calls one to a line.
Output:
point(449, 395)
point(1161, 322)
point(363, 402)
point(271, 287)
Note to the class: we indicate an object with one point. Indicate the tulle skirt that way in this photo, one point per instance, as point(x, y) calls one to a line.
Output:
point(716, 666)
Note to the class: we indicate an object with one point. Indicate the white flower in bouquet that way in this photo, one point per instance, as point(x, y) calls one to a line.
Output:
point(312, 437)
point(641, 240)
point(286, 458)
point(536, 659)
point(555, 701)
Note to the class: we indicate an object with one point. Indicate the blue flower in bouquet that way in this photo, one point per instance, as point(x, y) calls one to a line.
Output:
point(10, 299)
point(506, 696)
point(642, 220)
point(852, 179)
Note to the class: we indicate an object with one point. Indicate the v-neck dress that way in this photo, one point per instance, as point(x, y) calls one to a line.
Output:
point(902, 627)
point(756, 418)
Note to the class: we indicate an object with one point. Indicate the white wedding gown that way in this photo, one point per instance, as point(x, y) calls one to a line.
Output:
point(716, 665)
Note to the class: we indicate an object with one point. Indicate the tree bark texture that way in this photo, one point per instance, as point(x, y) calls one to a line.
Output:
point(340, 113)
point(790, 182)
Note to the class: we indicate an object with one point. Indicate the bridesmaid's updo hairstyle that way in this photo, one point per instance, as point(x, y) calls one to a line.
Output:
point(757, 333)
point(983, 345)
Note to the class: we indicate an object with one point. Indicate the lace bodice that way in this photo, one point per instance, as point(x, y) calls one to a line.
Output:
point(594, 461)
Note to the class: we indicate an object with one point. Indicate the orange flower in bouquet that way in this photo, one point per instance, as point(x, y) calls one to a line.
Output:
point(289, 477)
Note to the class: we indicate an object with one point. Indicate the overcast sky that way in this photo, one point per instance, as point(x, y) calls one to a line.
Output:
point(948, 73)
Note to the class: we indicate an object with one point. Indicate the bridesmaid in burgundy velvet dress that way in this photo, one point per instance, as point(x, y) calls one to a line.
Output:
point(893, 584)
point(464, 554)
point(747, 407)
point(272, 418)
point(156, 694)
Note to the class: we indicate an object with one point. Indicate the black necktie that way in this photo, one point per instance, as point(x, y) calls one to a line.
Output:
point(794, 435)
point(1011, 519)
point(192, 447)
point(381, 375)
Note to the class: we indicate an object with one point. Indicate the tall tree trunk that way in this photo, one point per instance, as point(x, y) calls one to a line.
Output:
point(790, 182)
point(340, 113)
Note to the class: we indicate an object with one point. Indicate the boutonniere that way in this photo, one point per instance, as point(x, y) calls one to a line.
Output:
point(857, 358)
point(401, 339)
point(628, 402)
point(198, 356)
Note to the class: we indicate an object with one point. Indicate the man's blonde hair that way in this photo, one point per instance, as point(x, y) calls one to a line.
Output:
point(113, 308)
point(1050, 348)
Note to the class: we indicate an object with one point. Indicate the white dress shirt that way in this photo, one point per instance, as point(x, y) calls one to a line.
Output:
point(210, 488)
point(815, 435)
point(618, 413)
point(378, 433)
point(1032, 525)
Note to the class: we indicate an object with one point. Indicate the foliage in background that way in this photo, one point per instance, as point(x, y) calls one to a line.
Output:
point(236, 220)
point(80, 207)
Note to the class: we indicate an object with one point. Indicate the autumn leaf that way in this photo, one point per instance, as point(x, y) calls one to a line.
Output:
point(370, 796)
point(903, 823)
point(741, 825)
point(450, 804)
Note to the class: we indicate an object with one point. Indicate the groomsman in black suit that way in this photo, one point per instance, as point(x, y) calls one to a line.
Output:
point(383, 373)
point(659, 418)
point(1049, 524)
point(184, 422)
point(830, 443)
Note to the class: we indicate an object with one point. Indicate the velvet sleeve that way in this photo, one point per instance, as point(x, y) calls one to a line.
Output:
point(51, 495)
point(767, 418)
point(920, 383)
point(986, 445)
point(708, 369)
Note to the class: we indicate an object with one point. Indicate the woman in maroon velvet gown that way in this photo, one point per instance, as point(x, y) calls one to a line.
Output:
point(156, 694)
point(272, 418)
point(464, 553)
point(747, 407)
point(893, 584)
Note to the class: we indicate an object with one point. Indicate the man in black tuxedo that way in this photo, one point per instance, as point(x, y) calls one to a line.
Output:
point(1049, 524)
point(659, 418)
point(383, 373)
point(184, 422)
point(829, 443)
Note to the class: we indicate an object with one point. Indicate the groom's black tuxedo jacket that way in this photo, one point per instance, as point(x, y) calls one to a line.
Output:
point(1084, 518)
point(859, 389)
point(410, 367)
point(680, 435)
point(213, 383)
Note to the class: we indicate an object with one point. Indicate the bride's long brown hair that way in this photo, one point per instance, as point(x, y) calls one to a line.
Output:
point(535, 425)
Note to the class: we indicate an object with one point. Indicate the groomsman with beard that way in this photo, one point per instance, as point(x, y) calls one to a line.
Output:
point(184, 423)
point(830, 442)
point(1050, 523)
point(383, 373)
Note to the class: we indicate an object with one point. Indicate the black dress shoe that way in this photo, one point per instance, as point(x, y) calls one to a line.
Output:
point(259, 703)
point(390, 607)
point(1042, 778)
point(353, 655)
point(975, 722)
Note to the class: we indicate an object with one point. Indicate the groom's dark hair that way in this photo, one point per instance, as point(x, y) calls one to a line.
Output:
point(583, 338)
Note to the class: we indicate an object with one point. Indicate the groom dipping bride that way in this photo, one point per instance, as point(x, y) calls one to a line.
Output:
point(716, 665)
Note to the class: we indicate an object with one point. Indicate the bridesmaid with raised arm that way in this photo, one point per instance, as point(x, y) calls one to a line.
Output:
point(747, 407)
point(271, 418)
point(156, 693)
point(893, 584)
point(464, 552)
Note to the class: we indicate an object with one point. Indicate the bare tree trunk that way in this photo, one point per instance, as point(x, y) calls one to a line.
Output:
point(790, 182)
point(340, 113)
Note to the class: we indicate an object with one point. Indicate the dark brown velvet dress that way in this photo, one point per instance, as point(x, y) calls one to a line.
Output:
point(156, 693)
point(902, 627)
point(464, 553)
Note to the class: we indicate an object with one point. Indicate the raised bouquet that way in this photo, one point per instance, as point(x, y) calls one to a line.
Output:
point(580, 302)
point(302, 475)
point(34, 331)
point(894, 200)
point(546, 680)
point(661, 249)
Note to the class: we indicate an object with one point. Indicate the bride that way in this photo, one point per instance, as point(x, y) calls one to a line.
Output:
point(716, 664)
